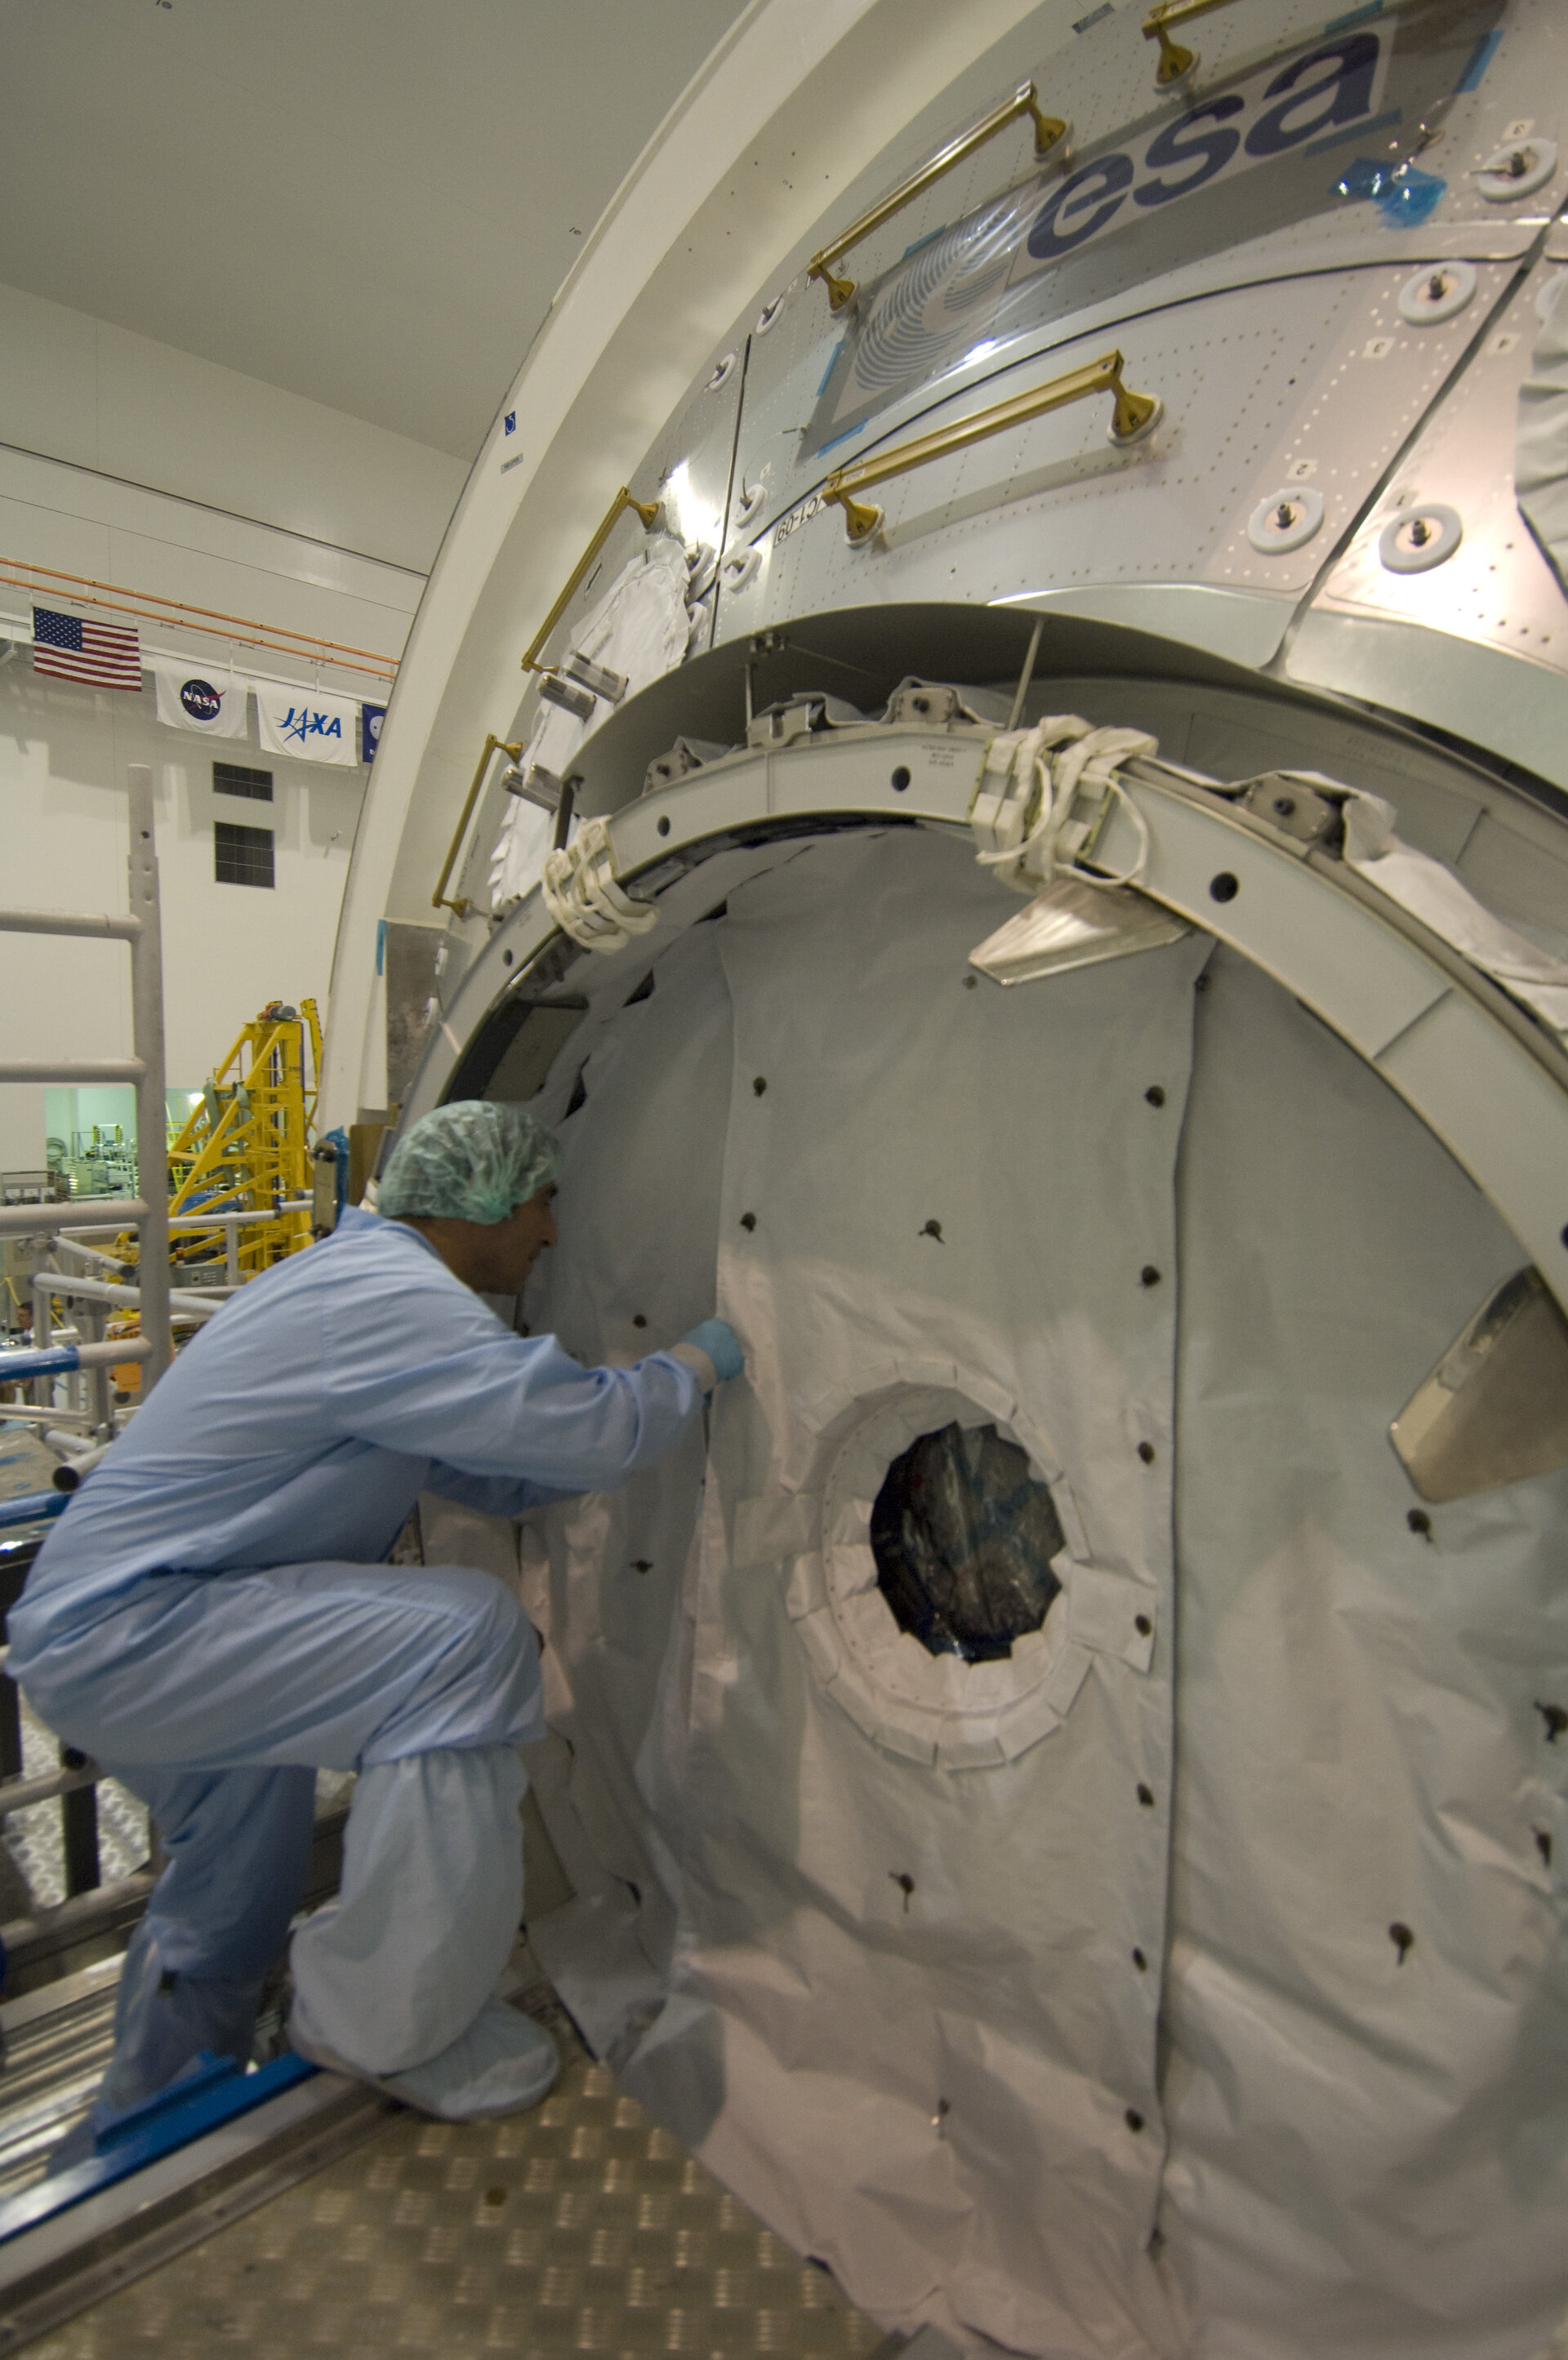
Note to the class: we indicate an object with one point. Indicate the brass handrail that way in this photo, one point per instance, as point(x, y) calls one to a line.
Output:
point(649, 513)
point(1133, 415)
point(493, 744)
point(1049, 132)
point(1174, 60)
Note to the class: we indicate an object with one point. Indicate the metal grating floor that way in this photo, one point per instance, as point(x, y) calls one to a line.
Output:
point(579, 2228)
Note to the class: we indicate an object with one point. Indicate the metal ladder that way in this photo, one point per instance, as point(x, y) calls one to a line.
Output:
point(140, 930)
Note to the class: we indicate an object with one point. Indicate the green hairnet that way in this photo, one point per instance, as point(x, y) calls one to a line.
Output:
point(469, 1161)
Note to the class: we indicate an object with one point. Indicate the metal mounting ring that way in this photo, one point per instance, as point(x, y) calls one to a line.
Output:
point(1437, 293)
point(1401, 544)
point(723, 373)
point(1499, 180)
point(768, 316)
point(739, 570)
point(1285, 519)
point(753, 499)
point(1139, 433)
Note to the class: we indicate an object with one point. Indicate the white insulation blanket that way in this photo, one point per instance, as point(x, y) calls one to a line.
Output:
point(1100, 2045)
point(639, 630)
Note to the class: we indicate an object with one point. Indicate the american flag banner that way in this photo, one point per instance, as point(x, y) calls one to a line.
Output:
point(102, 655)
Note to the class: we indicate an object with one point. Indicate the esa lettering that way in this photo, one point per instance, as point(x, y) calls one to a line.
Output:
point(1329, 88)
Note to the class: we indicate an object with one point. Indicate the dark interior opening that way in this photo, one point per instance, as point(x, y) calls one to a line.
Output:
point(963, 1536)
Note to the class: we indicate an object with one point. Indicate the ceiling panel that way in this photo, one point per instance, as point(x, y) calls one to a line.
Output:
point(370, 204)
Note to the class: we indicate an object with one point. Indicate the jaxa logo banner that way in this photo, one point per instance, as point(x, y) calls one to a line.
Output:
point(308, 726)
point(212, 703)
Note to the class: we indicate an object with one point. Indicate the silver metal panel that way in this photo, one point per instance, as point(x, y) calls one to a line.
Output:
point(1512, 708)
point(1315, 381)
point(688, 469)
point(579, 2228)
point(1495, 596)
point(977, 307)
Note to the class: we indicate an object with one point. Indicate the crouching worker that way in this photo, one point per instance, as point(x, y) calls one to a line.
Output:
point(213, 1621)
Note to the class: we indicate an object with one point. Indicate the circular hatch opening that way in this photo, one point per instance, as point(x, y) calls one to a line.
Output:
point(963, 1536)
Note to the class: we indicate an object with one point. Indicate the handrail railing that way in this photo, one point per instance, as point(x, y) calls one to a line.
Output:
point(1135, 415)
point(1174, 59)
point(70, 922)
point(1050, 132)
point(84, 591)
point(493, 744)
point(649, 513)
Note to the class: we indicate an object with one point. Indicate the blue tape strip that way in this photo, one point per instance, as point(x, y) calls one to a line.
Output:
point(170, 2122)
point(1480, 58)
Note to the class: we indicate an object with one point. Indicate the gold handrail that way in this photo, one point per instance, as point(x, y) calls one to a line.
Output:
point(1049, 132)
point(1133, 415)
point(649, 513)
point(493, 744)
point(1174, 60)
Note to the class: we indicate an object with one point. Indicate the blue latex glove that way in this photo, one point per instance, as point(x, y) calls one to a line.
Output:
point(719, 1341)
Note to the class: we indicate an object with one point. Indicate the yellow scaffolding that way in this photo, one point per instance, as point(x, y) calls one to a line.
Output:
point(246, 1147)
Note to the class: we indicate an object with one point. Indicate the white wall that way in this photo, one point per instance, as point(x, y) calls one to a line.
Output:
point(148, 468)
point(227, 949)
point(102, 398)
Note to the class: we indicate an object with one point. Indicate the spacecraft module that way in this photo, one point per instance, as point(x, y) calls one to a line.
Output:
point(1001, 684)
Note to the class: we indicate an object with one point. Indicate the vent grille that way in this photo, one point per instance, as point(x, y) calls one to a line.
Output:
point(234, 779)
point(241, 856)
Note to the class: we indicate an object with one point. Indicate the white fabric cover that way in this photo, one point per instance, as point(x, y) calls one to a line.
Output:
point(1540, 440)
point(1436, 896)
point(638, 1215)
point(639, 629)
point(929, 2085)
point(817, 2025)
point(1368, 2161)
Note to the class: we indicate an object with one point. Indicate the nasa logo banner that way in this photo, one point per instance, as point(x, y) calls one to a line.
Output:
point(210, 703)
point(304, 725)
point(370, 719)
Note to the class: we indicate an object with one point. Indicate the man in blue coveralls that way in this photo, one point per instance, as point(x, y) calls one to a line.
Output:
point(213, 1620)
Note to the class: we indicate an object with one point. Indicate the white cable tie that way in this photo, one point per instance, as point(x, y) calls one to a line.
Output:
point(585, 896)
point(1062, 754)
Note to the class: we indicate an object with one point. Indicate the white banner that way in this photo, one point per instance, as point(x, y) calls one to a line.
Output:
point(307, 725)
point(189, 697)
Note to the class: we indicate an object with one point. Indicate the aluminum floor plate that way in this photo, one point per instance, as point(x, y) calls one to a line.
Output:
point(578, 2228)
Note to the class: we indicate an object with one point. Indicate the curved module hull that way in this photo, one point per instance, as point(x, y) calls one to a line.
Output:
point(1175, 1964)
